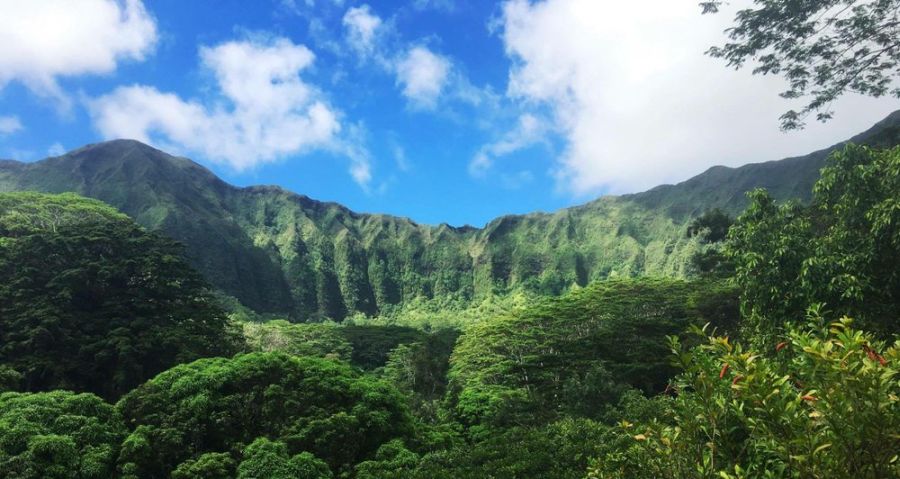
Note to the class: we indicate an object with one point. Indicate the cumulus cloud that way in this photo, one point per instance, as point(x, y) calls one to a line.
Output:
point(422, 75)
point(361, 27)
point(9, 125)
point(638, 102)
point(528, 131)
point(267, 111)
point(41, 41)
point(427, 80)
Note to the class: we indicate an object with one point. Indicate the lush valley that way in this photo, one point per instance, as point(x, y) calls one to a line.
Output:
point(157, 322)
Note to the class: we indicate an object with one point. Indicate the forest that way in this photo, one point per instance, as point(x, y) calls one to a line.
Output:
point(774, 354)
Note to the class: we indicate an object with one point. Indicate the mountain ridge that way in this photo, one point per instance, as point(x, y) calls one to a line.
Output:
point(884, 133)
point(284, 253)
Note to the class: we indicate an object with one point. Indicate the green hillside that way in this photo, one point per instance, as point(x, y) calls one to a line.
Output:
point(283, 253)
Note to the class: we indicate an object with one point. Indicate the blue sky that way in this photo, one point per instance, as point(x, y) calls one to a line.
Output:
point(451, 111)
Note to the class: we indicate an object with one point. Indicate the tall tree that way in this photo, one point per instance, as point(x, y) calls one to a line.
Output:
point(90, 301)
point(842, 250)
point(823, 48)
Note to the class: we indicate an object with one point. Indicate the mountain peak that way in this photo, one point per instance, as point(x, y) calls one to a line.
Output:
point(121, 145)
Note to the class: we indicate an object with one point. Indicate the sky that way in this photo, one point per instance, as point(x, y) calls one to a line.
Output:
point(453, 111)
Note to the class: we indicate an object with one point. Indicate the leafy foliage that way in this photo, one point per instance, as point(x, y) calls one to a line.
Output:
point(712, 229)
point(57, 435)
point(91, 301)
point(560, 450)
point(578, 354)
point(264, 459)
point(219, 405)
point(212, 465)
point(842, 250)
point(325, 340)
point(825, 404)
point(373, 344)
point(823, 49)
point(713, 225)
point(22, 214)
point(419, 370)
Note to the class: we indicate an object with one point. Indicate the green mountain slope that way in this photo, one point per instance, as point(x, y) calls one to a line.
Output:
point(280, 252)
point(725, 187)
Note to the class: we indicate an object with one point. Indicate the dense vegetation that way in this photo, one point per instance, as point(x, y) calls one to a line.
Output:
point(821, 403)
point(91, 301)
point(221, 405)
point(841, 250)
point(578, 354)
point(287, 256)
point(117, 360)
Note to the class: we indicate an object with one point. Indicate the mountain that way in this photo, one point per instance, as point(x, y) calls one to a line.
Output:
point(725, 188)
point(282, 253)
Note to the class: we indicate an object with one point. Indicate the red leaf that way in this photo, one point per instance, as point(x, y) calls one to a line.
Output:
point(723, 371)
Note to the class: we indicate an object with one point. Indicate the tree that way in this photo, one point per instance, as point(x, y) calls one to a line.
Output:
point(212, 465)
point(713, 225)
point(265, 459)
point(560, 450)
point(823, 48)
point(712, 229)
point(220, 405)
point(91, 301)
point(840, 251)
point(419, 370)
point(300, 339)
point(372, 344)
point(58, 435)
point(768, 245)
point(10, 379)
point(577, 354)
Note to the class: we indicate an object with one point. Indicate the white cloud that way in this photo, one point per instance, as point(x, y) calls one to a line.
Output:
point(528, 131)
point(10, 125)
point(56, 149)
point(360, 159)
point(267, 112)
point(639, 103)
point(361, 28)
point(423, 75)
point(41, 41)
point(426, 79)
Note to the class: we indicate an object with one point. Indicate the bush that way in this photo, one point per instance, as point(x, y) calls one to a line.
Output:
point(821, 403)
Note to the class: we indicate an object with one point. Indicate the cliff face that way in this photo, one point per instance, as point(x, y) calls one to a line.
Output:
point(280, 252)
